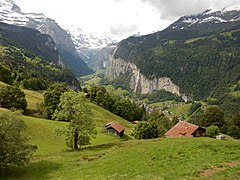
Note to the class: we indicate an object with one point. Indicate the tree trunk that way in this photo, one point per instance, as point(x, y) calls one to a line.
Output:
point(75, 143)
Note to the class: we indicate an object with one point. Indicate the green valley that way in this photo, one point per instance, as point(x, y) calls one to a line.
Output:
point(161, 106)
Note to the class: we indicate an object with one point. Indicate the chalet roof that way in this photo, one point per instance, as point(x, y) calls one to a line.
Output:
point(182, 129)
point(115, 125)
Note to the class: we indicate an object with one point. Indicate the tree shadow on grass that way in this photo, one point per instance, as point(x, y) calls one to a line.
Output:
point(35, 170)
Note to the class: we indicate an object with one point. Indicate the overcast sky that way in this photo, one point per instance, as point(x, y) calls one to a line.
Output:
point(120, 18)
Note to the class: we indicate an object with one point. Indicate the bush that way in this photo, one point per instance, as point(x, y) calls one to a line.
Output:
point(12, 97)
point(5, 75)
point(14, 147)
point(52, 97)
point(212, 131)
point(233, 131)
point(146, 130)
point(34, 84)
point(213, 116)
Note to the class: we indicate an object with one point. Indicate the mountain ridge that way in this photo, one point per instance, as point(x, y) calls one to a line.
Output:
point(12, 14)
point(185, 54)
point(30, 59)
point(94, 50)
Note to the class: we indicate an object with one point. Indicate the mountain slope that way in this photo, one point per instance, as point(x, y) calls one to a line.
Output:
point(208, 20)
point(190, 60)
point(94, 50)
point(30, 58)
point(10, 13)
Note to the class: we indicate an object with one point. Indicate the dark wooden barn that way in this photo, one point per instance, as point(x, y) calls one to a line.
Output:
point(115, 128)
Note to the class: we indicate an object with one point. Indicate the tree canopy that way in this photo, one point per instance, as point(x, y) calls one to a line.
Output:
point(73, 107)
point(12, 97)
point(14, 147)
point(213, 116)
point(120, 106)
point(145, 130)
point(52, 97)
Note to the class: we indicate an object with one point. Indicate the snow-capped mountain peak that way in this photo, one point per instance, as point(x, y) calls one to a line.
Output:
point(12, 14)
point(232, 8)
point(212, 16)
point(84, 39)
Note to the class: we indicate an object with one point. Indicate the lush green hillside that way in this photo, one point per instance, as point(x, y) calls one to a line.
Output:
point(198, 65)
point(30, 59)
point(146, 159)
point(42, 45)
point(110, 157)
point(33, 97)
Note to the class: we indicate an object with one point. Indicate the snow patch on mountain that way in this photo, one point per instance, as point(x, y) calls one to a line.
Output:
point(232, 8)
point(83, 39)
point(229, 14)
point(12, 14)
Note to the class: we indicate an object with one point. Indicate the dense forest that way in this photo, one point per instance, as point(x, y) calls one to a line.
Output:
point(198, 63)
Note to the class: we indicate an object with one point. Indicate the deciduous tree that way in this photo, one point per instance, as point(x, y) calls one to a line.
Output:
point(213, 116)
point(52, 97)
point(212, 131)
point(73, 107)
point(12, 97)
point(146, 130)
point(14, 147)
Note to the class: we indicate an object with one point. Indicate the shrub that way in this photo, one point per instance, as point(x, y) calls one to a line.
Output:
point(12, 97)
point(212, 131)
point(14, 147)
point(146, 130)
point(233, 131)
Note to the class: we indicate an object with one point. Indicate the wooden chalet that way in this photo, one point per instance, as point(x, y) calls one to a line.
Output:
point(185, 129)
point(115, 128)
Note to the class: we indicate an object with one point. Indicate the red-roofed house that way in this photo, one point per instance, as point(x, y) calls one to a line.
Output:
point(115, 128)
point(185, 129)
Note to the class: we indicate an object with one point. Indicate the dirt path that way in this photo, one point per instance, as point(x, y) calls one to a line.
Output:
point(208, 172)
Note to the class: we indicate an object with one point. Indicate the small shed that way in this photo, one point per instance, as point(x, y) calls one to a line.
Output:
point(135, 122)
point(185, 129)
point(115, 128)
point(220, 137)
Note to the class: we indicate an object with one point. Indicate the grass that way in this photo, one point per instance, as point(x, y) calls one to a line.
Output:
point(162, 104)
point(110, 157)
point(193, 40)
point(145, 159)
point(235, 93)
point(180, 110)
point(2, 84)
point(33, 98)
point(41, 131)
point(102, 116)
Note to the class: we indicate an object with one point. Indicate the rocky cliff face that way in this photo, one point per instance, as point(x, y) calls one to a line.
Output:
point(49, 26)
point(137, 82)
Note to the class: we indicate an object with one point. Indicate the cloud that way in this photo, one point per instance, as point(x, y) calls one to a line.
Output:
point(121, 29)
point(119, 17)
point(172, 9)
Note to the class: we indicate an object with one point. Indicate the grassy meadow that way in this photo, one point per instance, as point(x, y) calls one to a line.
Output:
point(198, 158)
point(180, 110)
point(110, 157)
